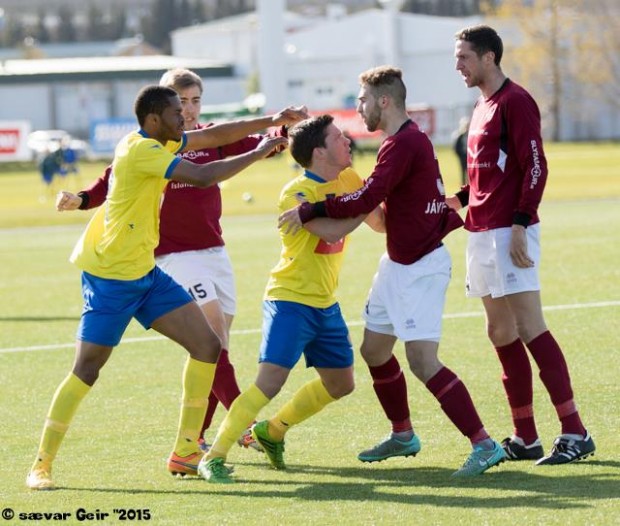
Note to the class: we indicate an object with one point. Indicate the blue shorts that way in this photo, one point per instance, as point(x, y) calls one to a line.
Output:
point(290, 329)
point(109, 304)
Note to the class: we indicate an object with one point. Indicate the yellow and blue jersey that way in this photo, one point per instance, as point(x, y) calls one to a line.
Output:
point(120, 240)
point(308, 269)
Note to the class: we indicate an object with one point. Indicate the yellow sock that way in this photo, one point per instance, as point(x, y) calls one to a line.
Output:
point(309, 400)
point(241, 414)
point(66, 400)
point(197, 382)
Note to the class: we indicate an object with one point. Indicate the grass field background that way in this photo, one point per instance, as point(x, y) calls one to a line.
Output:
point(114, 454)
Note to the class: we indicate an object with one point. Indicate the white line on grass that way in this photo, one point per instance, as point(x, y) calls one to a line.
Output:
point(355, 323)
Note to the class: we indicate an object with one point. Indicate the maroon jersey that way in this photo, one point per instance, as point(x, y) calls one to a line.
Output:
point(506, 164)
point(407, 180)
point(189, 216)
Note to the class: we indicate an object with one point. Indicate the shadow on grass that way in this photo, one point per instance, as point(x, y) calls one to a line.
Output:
point(545, 491)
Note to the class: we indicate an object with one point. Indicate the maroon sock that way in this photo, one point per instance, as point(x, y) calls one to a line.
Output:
point(517, 379)
point(554, 375)
point(391, 388)
point(224, 389)
point(456, 403)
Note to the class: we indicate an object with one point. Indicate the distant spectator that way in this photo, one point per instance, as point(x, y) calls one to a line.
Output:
point(69, 164)
point(460, 146)
point(49, 166)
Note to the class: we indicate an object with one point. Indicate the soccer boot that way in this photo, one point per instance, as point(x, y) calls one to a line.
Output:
point(40, 478)
point(391, 447)
point(272, 448)
point(480, 460)
point(515, 449)
point(247, 441)
point(184, 465)
point(566, 449)
point(203, 445)
point(214, 471)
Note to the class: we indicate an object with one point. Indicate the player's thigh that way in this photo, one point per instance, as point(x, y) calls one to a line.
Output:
point(188, 326)
point(217, 319)
point(501, 324)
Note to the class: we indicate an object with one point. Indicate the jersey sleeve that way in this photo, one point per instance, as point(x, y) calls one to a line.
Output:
point(523, 122)
point(97, 192)
point(388, 171)
point(155, 160)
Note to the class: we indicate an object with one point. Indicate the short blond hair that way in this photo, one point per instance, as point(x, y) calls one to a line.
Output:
point(180, 79)
point(386, 80)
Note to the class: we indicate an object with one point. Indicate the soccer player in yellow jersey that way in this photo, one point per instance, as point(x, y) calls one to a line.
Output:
point(120, 280)
point(300, 312)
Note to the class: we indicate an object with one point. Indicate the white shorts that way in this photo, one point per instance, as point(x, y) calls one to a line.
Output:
point(206, 274)
point(490, 269)
point(407, 301)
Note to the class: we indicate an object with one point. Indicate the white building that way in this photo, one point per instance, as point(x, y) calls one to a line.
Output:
point(323, 58)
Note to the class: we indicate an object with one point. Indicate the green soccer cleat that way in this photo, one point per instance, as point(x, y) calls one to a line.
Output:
point(274, 450)
point(391, 447)
point(480, 460)
point(214, 471)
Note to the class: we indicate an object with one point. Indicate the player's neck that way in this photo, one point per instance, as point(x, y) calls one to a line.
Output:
point(395, 121)
point(492, 83)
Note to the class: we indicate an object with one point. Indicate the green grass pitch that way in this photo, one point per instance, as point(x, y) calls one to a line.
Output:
point(114, 454)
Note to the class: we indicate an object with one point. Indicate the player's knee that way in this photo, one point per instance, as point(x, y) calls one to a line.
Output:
point(501, 334)
point(207, 349)
point(88, 373)
point(342, 389)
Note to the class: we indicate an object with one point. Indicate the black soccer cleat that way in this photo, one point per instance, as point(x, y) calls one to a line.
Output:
point(567, 450)
point(516, 451)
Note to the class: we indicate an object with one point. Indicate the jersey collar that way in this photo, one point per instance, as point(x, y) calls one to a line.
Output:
point(314, 177)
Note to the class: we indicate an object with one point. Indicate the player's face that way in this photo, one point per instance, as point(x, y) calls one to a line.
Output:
point(338, 147)
point(468, 63)
point(191, 102)
point(369, 109)
point(171, 121)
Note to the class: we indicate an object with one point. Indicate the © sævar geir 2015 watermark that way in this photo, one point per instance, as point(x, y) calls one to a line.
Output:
point(80, 514)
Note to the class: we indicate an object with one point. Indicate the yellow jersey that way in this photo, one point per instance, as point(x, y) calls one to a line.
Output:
point(308, 269)
point(121, 237)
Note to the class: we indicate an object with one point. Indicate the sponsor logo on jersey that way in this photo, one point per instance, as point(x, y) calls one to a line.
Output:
point(536, 171)
point(193, 154)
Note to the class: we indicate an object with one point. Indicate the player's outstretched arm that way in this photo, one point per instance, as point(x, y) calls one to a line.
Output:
point(203, 175)
point(229, 132)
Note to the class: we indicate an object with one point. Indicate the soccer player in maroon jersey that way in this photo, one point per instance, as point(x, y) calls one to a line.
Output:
point(507, 171)
point(408, 292)
point(191, 247)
